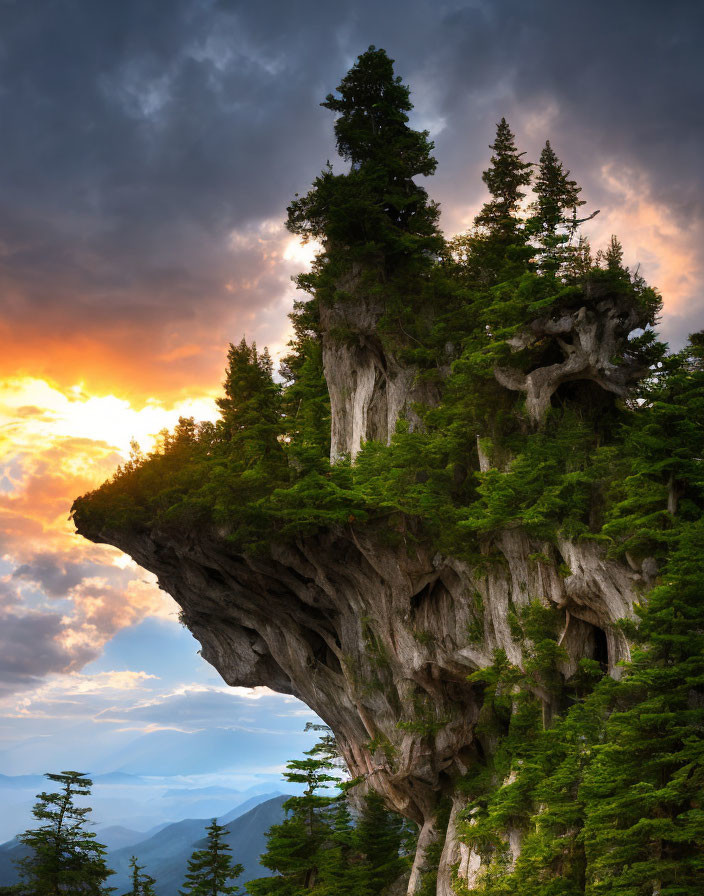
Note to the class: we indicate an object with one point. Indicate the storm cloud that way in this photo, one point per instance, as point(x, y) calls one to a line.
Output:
point(31, 647)
point(139, 137)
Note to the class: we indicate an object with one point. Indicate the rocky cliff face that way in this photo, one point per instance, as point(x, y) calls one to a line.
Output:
point(369, 387)
point(378, 636)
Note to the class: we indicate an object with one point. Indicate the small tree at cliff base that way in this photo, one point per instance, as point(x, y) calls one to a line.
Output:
point(211, 869)
point(296, 847)
point(142, 884)
point(65, 857)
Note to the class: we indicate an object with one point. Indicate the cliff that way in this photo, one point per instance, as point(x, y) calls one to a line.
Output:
point(379, 640)
point(477, 394)
point(378, 632)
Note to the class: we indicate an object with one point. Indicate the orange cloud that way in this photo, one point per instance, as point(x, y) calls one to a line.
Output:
point(164, 342)
point(666, 249)
point(68, 595)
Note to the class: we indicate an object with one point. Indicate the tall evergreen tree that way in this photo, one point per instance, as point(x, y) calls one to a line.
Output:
point(495, 249)
point(375, 215)
point(372, 127)
point(380, 837)
point(251, 408)
point(505, 177)
point(210, 869)
point(614, 256)
point(65, 857)
point(554, 221)
point(644, 828)
point(296, 847)
point(663, 484)
point(339, 867)
point(305, 400)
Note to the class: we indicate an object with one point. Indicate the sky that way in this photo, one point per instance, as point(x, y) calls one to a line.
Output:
point(149, 150)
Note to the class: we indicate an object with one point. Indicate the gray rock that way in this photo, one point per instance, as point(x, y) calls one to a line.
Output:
point(379, 640)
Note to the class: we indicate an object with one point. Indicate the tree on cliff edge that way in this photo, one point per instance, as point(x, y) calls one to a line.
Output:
point(374, 214)
point(497, 246)
point(251, 408)
point(554, 220)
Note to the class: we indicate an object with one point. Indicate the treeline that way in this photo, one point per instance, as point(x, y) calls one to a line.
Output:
point(458, 310)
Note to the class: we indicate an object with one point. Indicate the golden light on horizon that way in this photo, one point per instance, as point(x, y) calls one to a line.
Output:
point(32, 409)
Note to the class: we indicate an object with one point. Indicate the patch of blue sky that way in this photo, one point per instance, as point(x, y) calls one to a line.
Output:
point(160, 647)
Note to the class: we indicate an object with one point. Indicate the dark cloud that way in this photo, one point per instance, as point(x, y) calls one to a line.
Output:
point(56, 575)
point(626, 81)
point(137, 135)
point(31, 648)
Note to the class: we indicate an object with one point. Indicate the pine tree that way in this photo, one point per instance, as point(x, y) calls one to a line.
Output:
point(375, 215)
point(210, 868)
point(379, 837)
point(505, 178)
point(554, 220)
point(644, 829)
point(142, 884)
point(251, 408)
point(339, 867)
point(614, 256)
point(305, 400)
point(580, 261)
point(373, 122)
point(664, 481)
point(495, 249)
point(296, 848)
point(65, 857)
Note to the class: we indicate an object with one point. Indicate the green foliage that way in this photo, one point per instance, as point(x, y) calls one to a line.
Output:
point(65, 857)
point(664, 485)
point(318, 849)
point(554, 211)
point(142, 884)
point(643, 790)
point(305, 399)
point(251, 408)
point(608, 799)
point(210, 868)
point(496, 249)
point(380, 841)
point(262, 474)
point(296, 847)
point(377, 224)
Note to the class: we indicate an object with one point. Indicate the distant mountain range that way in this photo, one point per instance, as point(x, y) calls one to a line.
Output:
point(135, 802)
point(165, 851)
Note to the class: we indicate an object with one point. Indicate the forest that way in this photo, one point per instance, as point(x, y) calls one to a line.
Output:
point(526, 424)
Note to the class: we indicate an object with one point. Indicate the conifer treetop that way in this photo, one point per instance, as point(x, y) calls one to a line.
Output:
point(373, 123)
point(505, 177)
point(211, 869)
